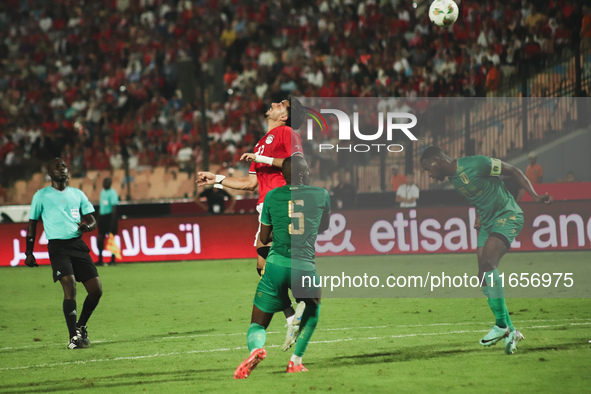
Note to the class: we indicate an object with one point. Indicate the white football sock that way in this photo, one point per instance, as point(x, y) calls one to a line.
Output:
point(297, 360)
point(289, 319)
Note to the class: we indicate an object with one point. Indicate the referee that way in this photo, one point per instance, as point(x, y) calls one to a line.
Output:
point(66, 214)
point(107, 220)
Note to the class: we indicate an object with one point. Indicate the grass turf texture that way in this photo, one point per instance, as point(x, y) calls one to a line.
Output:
point(180, 327)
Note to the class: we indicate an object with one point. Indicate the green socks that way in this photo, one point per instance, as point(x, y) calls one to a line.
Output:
point(256, 336)
point(496, 299)
point(308, 324)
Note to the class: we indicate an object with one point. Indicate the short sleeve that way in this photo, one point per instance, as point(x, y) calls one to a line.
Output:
point(414, 190)
point(265, 214)
point(296, 143)
point(481, 165)
point(85, 206)
point(114, 198)
point(400, 192)
point(36, 207)
point(252, 169)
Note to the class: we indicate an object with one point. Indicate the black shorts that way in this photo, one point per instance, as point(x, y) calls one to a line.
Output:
point(104, 224)
point(71, 257)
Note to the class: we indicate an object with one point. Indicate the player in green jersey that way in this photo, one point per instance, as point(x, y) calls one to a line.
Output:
point(66, 214)
point(499, 221)
point(292, 216)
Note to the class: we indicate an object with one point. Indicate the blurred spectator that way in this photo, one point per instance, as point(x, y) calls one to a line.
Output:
point(343, 194)
point(492, 78)
point(570, 177)
point(14, 157)
point(101, 161)
point(216, 201)
point(534, 171)
point(184, 158)
point(114, 71)
point(408, 193)
point(397, 179)
point(115, 158)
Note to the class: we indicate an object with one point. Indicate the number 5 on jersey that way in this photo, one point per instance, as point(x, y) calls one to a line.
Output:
point(296, 215)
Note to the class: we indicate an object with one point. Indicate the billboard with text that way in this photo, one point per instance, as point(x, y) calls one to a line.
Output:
point(561, 226)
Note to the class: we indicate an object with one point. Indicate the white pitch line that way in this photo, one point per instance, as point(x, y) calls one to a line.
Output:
point(320, 329)
point(269, 346)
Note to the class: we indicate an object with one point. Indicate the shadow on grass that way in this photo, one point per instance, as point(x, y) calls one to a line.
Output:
point(425, 353)
point(35, 346)
point(106, 382)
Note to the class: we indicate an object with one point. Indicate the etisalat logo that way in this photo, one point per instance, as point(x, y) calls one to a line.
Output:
point(344, 125)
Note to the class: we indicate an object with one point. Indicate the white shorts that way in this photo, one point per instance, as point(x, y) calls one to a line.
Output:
point(260, 211)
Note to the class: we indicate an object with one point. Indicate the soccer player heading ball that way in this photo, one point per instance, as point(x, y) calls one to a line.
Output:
point(281, 141)
point(499, 221)
point(292, 216)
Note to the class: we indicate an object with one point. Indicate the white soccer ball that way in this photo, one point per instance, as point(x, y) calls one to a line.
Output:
point(443, 12)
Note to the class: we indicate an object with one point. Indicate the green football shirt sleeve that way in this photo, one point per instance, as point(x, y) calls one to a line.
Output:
point(265, 214)
point(481, 165)
point(36, 207)
point(85, 206)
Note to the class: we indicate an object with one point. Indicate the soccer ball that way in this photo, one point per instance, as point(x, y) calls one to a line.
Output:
point(443, 12)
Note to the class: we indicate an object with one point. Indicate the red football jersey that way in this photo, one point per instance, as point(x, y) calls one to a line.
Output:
point(281, 142)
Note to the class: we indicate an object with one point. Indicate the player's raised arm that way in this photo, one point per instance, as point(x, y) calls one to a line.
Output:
point(274, 161)
point(249, 182)
point(521, 179)
point(30, 240)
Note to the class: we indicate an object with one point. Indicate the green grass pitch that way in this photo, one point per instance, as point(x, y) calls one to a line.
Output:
point(180, 328)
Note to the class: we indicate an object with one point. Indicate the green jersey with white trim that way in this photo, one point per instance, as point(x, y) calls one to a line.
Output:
point(477, 179)
point(61, 211)
point(295, 212)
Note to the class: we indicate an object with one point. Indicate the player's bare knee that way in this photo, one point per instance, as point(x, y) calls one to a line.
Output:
point(69, 288)
point(94, 288)
point(487, 264)
point(97, 293)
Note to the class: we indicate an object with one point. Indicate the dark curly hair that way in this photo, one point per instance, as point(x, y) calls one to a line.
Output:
point(295, 114)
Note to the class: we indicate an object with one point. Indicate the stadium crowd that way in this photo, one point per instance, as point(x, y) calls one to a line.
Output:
point(97, 82)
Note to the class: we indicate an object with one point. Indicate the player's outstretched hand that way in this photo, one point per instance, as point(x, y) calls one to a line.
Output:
point(248, 157)
point(205, 178)
point(545, 198)
point(30, 261)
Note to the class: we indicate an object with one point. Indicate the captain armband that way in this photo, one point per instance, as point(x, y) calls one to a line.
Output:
point(495, 167)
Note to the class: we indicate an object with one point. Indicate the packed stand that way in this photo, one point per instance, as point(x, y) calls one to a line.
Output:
point(99, 83)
